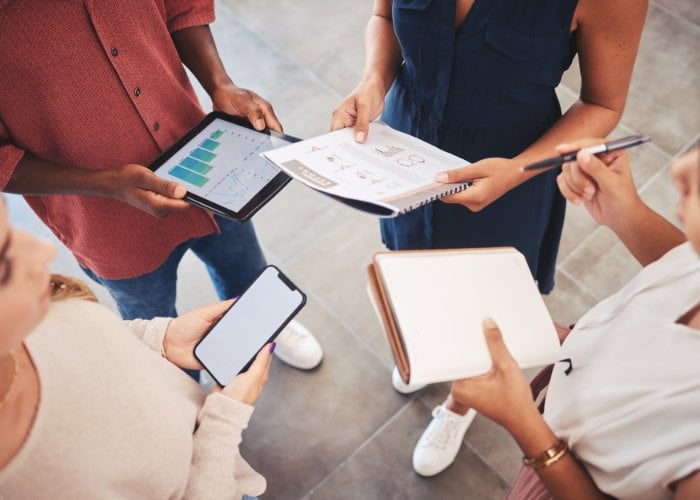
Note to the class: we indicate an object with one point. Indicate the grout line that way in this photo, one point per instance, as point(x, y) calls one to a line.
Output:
point(472, 448)
point(364, 444)
point(579, 284)
point(675, 15)
point(278, 51)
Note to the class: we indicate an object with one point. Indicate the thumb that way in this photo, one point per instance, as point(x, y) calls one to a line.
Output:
point(214, 311)
point(362, 121)
point(161, 186)
point(461, 174)
point(500, 356)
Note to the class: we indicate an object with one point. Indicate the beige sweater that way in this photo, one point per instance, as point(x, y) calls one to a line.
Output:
point(115, 420)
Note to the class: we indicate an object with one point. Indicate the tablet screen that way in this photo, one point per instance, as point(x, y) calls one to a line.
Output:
point(221, 163)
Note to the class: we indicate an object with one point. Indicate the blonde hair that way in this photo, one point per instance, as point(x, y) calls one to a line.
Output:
point(66, 287)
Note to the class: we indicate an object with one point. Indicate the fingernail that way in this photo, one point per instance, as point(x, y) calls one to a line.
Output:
point(180, 191)
point(260, 123)
point(489, 323)
point(360, 137)
point(588, 193)
point(272, 347)
point(442, 177)
point(584, 157)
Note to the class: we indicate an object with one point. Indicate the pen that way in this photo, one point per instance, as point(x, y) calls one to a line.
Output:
point(625, 142)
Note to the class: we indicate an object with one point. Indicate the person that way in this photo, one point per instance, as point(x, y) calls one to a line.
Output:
point(625, 399)
point(95, 406)
point(478, 79)
point(78, 126)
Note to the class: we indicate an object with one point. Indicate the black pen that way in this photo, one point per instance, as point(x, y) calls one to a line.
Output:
point(625, 142)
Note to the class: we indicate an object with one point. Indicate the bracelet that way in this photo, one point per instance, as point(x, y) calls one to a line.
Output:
point(547, 457)
point(162, 349)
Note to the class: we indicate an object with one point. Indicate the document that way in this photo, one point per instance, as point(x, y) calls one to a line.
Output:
point(431, 304)
point(391, 173)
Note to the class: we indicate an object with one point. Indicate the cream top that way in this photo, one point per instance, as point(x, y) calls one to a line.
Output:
point(115, 420)
point(630, 407)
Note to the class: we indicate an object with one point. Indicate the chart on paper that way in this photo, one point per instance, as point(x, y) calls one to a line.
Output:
point(222, 164)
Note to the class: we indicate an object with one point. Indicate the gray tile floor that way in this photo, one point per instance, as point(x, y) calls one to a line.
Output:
point(340, 431)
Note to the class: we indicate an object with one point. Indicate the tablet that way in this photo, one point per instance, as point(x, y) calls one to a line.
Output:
point(219, 163)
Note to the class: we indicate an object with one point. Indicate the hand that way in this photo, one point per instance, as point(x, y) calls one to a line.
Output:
point(141, 188)
point(603, 184)
point(238, 101)
point(491, 178)
point(503, 394)
point(363, 105)
point(185, 331)
point(563, 331)
point(247, 386)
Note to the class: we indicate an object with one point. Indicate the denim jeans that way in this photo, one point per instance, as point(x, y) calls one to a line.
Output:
point(233, 259)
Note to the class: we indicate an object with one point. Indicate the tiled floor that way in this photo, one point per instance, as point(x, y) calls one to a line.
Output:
point(341, 432)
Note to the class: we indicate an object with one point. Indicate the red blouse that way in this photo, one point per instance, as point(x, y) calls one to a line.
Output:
point(99, 84)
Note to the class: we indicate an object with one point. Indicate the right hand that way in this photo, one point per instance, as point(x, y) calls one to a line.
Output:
point(603, 184)
point(141, 188)
point(247, 386)
point(363, 105)
point(503, 394)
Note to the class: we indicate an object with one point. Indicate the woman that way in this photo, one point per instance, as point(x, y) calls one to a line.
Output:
point(626, 400)
point(87, 410)
point(477, 79)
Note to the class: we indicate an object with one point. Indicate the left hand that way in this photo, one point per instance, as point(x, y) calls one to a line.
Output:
point(185, 331)
point(238, 101)
point(492, 178)
point(503, 394)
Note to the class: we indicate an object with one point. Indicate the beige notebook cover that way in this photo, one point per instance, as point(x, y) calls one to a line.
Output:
point(431, 304)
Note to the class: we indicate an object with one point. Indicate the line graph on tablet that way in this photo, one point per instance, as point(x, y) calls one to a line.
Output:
point(224, 166)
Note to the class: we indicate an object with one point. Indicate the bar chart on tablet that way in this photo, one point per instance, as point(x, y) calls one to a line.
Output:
point(224, 166)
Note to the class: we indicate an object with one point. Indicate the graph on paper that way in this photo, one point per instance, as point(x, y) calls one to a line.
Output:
point(222, 164)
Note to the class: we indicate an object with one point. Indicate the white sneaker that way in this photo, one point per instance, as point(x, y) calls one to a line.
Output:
point(297, 347)
point(438, 446)
point(402, 386)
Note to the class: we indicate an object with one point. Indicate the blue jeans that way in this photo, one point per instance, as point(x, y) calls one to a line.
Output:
point(233, 259)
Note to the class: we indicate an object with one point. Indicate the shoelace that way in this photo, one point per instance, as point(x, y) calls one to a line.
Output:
point(442, 433)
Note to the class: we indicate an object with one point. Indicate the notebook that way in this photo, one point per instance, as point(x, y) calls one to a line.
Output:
point(431, 304)
point(390, 174)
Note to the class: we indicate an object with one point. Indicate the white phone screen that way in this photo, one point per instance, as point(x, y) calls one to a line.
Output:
point(258, 314)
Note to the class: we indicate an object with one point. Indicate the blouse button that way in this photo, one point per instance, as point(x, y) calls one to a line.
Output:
point(115, 52)
point(137, 91)
point(156, 126)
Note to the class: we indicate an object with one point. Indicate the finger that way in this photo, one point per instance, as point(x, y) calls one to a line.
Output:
point(570, 146)
point(594, 167)
point(151, 182)
point(271, 119)
point(256, 117)
point(578, 180)
point(500, 355)
point(343, 117)
point(566, 191)
point(362, 121)
point(461, 174)
point(584, 183)
point(157, 204)
point(216, 310)
point(261, 365)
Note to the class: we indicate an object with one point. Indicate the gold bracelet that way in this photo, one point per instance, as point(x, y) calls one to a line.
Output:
point(547, 457)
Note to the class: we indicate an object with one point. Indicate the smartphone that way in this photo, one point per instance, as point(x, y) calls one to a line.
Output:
point(259, 314)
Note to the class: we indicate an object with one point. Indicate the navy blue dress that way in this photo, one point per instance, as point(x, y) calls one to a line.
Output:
point(483, 90)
